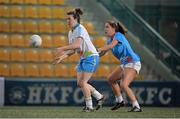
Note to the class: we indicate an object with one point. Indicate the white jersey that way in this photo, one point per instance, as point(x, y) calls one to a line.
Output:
point(86, 47)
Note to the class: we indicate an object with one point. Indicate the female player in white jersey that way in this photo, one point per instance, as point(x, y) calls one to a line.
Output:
point(130, 64)
point(79, 41)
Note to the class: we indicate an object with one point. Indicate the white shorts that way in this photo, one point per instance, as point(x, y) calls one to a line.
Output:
point(136, 66)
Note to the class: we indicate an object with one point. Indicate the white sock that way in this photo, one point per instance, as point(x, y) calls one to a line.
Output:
point(119, 98)
point(136, 104)
point(116, 99)
point(89, 102)
point(96, 94)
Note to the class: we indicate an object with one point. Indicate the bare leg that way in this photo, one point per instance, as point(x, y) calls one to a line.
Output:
point(129, 75)
point(112, 78)
point(83, 78)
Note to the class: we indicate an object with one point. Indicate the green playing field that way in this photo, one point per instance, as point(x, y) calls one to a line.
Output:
point(76, 112)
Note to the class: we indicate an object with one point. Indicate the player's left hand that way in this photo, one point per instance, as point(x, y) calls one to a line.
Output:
point(58, 55)
point(59, 59)
point(58, 52)
point(101, 52)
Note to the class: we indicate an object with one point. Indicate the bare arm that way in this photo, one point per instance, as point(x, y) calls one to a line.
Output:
point(102, 51)
point(72, 46)
point(65, 54)
point(66, 51)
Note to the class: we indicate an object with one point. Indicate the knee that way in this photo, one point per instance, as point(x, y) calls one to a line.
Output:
point(110, 80)
point(124, 86)
point(80, 84)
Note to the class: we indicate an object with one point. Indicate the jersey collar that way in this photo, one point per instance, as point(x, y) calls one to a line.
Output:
point(75, 27)
point(112, 37)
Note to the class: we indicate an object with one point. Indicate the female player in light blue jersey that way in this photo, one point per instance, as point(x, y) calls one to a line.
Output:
point(79, 41)
point(129, 67)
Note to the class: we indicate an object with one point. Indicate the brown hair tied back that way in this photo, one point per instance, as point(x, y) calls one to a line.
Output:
point(118, 26)
point(78, 11)
point(76, 14)
point(121, 28)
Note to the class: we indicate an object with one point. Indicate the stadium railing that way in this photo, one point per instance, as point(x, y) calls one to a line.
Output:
point(147, 35)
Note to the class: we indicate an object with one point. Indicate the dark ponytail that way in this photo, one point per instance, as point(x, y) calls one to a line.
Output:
point(76, 14)
point(118, 26)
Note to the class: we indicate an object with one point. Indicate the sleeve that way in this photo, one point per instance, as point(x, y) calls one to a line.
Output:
point(79, 33)
point(69, 39)
point(118, 37)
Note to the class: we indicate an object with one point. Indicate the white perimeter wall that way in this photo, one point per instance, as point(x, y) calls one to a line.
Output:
point(1, 91)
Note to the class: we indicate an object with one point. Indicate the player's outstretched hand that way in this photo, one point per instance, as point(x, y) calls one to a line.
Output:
point(57, 52)
point(59, 55)
point(101, 52)
point(58, 59)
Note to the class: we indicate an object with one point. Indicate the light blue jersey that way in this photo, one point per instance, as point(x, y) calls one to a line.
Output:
point(123, 51)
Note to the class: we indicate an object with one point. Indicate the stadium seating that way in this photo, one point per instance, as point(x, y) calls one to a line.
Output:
point(59, 27)
point(46, 70)
point(58, 13)
point(30, 26)
point(4, 70)
point(4, 26)
point(59, 40)
point(17, 26)
point(103, 71)
point(74, 58)
point(4, 1)
point(4, 55)
point(4, 40)
point(99, 41)
point(90, 27)
point(17, 70)
point(16, 11)
point(31, 55)
point(32, 70)
point(19, 19)
point(45, 2)
point(47, 41)
point(61, 70)
point(46, 56)
point(17, 1)
point(45, 12)
point(105, 58)
point(31, 12)
point(4, 11)
point(45, 27)
point(58, 2)
point(72, 70)
point(26, 40)
point(31, 2)
point(17, 55)
point(17, 40)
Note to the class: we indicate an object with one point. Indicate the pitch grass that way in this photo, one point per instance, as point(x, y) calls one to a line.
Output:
point(76, 112)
